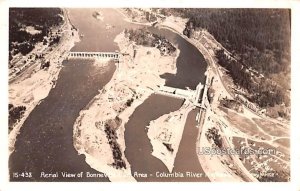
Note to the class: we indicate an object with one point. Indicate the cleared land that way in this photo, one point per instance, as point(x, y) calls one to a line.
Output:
point(271, 128)
point(245, 125)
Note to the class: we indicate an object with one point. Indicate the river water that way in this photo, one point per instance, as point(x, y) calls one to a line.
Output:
point(45, 140)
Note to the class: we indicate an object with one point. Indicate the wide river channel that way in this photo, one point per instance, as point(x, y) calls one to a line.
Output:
point(45, 142)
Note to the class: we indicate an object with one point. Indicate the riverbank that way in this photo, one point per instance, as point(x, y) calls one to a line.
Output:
point(177, 25)
point(139, 19)
point(224, 168)
point(216, 167)
point(34, 84)
point(137, 76)
point(165, 134)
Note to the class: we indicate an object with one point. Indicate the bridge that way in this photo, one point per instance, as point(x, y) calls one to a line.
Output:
point(95, 55)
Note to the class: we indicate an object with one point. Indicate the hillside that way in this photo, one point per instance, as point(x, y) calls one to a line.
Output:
point(260, 38)
point(28, 26)
point(259, 42)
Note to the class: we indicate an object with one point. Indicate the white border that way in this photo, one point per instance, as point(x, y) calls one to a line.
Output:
point(295, 139)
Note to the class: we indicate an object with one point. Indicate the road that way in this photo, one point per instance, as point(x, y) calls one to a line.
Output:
point(28, 68)
point(206, 55)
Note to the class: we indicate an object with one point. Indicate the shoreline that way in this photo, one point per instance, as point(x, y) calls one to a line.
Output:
point(168, 24)
point(165, 134)
point(115, 103)
point(113, 174)
point(30, 91)
point(99, 129)
point(131, 21)
point(209, 167)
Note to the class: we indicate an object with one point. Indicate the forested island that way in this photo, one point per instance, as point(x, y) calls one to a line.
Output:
point(146, 38)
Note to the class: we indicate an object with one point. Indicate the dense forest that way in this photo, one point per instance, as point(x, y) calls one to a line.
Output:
point(258, 37)
point(15, 114)
point(41, 19)
point(262, 91)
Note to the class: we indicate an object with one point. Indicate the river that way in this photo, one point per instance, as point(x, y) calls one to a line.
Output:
point(45, 140)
